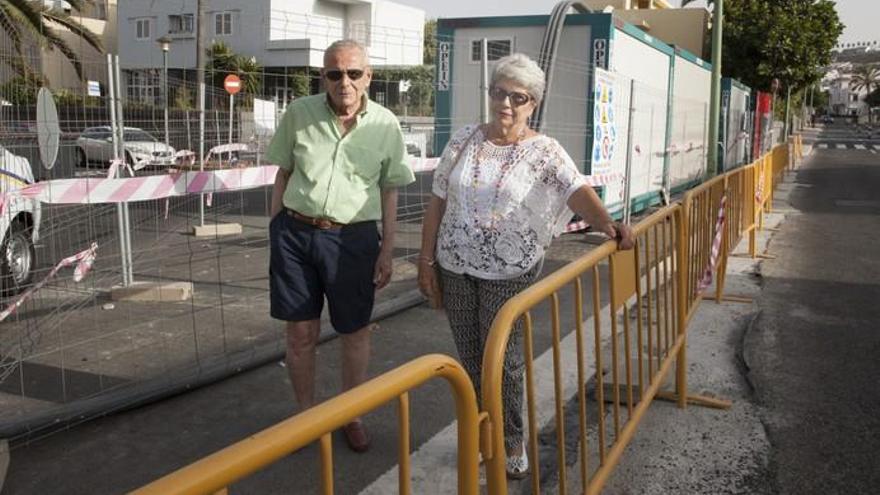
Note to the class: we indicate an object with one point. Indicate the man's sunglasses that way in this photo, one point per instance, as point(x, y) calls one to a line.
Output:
point(336, 74)
point(517, 99)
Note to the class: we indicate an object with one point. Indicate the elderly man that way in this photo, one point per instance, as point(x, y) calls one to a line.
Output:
point(341, 158)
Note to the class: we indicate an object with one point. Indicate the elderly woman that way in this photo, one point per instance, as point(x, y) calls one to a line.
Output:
point(500, 194)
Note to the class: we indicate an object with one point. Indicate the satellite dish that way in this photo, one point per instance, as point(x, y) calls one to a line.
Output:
point(48, 130)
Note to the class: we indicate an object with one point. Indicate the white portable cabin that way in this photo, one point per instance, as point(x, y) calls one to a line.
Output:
point(689, 121)
point(737, 123)
point(587, 110)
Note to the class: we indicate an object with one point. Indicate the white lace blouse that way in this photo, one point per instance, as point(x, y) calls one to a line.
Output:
point(504, 204)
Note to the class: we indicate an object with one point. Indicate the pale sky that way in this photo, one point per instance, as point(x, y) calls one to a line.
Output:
point(861, 17)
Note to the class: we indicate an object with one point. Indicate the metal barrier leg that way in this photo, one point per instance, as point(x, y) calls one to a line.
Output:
point(327, 464)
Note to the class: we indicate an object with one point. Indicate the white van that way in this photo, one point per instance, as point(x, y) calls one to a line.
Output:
point(19, 224)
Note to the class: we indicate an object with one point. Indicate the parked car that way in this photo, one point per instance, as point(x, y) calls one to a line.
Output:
point(827, 119)
point(95, 144)
point(19, 224)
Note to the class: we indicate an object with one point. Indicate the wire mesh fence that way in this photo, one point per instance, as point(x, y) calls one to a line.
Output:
point(72, 350)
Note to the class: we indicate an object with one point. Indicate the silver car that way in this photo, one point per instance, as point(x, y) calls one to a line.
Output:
point(95, 144)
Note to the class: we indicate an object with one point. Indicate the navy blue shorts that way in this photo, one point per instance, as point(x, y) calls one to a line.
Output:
point(307, 263)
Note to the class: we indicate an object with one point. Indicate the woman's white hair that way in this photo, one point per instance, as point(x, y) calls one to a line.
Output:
point(522, 70)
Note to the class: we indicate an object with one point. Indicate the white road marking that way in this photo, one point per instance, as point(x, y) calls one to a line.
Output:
point(822, 146)
point(860, 146)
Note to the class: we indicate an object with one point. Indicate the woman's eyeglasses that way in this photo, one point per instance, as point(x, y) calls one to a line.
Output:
point(336, 74)
point(517, 99)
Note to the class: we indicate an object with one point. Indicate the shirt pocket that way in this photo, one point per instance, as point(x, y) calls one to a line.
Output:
point(364, 166)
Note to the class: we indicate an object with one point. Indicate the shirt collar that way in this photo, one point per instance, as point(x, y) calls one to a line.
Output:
point(365, 105)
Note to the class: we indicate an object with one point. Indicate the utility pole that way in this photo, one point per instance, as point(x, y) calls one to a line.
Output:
point(200, 48)
point(200, 78)
point(786, 127)
point(715, 98)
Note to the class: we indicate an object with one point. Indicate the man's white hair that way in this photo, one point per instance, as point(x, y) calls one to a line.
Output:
point(340, 45)
point(522, 70)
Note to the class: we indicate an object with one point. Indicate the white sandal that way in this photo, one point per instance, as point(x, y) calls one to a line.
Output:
point(518, 465)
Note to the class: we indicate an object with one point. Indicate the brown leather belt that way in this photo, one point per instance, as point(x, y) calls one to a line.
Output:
point(319, 223)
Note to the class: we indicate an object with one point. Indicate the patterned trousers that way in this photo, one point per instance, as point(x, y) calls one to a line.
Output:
point(471, 304)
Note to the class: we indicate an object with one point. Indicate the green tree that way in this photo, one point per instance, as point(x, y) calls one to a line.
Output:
point(866, 77)
point(873, 98)
point(28, 21)
point(789, 40)
point(183, 99)
point(222, 61)
point(430, 42)
point(420, 97)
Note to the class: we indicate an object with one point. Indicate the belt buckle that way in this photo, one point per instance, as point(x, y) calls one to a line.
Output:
point(323, 223)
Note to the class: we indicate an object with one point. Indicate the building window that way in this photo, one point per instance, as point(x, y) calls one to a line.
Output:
point(223, 23)
point(143, 86)
point(101, 9)
point(496, 49)
point(143, 29)
point(357, 30)
point(181, 24)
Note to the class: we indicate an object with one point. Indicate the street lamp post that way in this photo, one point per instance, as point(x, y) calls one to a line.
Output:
point(165, 44)
point(715, 85)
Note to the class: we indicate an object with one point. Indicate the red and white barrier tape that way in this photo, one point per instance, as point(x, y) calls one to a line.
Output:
point(673, 149)
point(84, 261)
point(706, 279)
point(96, 190)
point(92, 190)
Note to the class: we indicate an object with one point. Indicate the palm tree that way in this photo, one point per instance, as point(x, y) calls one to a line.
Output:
point(223, 61)
point(866, 77)
point(30, 20)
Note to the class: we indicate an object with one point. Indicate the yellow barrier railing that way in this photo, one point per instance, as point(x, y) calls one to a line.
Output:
point(651, 291)
point(644, 291)
point(214, 473)
point(678, 250)
point(701, 207)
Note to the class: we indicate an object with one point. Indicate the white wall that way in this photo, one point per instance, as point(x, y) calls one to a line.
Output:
point(396, 34)
point(567, 104)
point(634, 60)
point(689, 130)
point(737, 141)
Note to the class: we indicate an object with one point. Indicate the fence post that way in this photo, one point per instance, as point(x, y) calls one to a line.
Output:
point(753, 197)
point(117, 133)
point(627, 192)
point(682, 217)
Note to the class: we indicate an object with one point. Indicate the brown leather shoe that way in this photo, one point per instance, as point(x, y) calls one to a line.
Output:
point(356, 436)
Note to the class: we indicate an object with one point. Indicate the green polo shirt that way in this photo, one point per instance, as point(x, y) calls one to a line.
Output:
point(334, 176)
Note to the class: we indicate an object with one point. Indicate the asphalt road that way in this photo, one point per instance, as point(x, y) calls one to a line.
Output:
point(813, 352)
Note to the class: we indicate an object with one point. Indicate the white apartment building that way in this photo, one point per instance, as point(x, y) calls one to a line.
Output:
point(279, 34)
point(842, 98)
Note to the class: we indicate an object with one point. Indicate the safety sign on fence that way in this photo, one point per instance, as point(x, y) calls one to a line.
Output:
point(604, 128)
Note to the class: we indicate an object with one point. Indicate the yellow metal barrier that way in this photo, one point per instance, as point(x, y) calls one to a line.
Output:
point(780, 163)
point(645, 292)
point(766, 188)
point(701, 207)
point(740, 201)
point(659, 281)
point(214, 473)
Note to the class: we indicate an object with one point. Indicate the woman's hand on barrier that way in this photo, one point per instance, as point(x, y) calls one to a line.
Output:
point(620, 232)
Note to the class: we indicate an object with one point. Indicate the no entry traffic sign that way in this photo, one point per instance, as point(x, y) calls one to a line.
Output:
point(232, 84)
